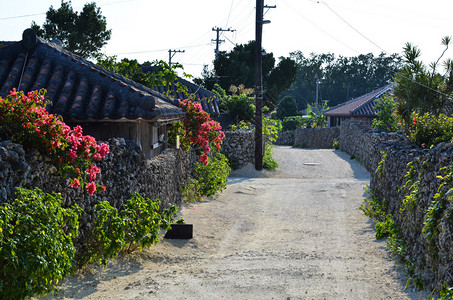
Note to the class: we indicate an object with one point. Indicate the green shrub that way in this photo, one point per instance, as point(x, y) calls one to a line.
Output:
point(107, 237)
point(269, 162)
point(213, 177)
point(336, 145)
point(36, 248)
point(136, 226)
point(239, 107)
point(385, 114)
point(428, 130)
point(291, 123)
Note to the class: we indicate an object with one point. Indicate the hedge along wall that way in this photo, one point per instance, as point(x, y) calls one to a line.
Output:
point(124, 170)
point(433, 257)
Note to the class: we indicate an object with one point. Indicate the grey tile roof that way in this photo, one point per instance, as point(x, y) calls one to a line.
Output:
point(78, 88)
point(360, 106)
point(209, 101)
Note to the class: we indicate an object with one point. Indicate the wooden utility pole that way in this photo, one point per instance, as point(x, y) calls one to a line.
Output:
point(259, 143)
point(218, 40)
point(172, 53)
point(259, 87)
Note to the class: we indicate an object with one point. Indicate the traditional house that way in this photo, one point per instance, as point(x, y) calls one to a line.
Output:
point(105, 104)
point(360, 109)
point(208, 100)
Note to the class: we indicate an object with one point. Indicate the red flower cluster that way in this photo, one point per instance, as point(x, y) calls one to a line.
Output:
point(25, 120)
point(200, 129)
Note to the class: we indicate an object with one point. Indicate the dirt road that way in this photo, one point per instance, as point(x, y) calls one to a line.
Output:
point(292, 234)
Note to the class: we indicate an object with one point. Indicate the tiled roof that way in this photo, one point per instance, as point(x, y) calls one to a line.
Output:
point(209, 101)
point(79, 89)
point(360, 106)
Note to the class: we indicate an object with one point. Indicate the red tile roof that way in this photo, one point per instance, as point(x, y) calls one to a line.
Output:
point(360, 106)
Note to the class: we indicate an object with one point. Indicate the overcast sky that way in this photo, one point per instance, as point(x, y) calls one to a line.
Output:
point(147, 29)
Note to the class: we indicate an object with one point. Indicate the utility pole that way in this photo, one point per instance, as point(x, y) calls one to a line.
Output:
point(259, 151)
point(218, 40)
point(172, 53)
point(317, 90)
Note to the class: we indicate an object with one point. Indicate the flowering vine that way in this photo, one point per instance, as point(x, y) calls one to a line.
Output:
point(25, 120)
point(200, 130)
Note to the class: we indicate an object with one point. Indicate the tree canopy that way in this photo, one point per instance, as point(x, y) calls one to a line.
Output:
point(237, 67)
point(340, 78)
point(423, 89)
point(83, 33)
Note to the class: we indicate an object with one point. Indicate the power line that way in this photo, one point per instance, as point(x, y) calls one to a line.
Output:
point(353, 28)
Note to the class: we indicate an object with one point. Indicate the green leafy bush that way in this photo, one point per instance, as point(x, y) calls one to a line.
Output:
point(291, 123)
point(269, 162)
point(386, 118)
point(107, 236)
point(239, 107)
point(36, 248)
point(428, 130)
point(213, 177)
point(136, 226)
point(336, 145)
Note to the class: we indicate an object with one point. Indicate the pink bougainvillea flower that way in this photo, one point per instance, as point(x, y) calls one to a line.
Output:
point(91, 188)
point(75, 183)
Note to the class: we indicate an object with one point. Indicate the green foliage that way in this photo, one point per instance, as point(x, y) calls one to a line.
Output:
point(210, 179)
point(271, 128)
point(292, 122)
point(427, 130)
point(336, 145)
point(150, 74)
point(137, 225)
point(238, 67)
point(107, 237)
point(386, 118)
point(422, 89)
point(340, 78)
point(269, 162)
point(411, 188)
point(240, 108)
point(279, 79)
point(287, 107)
point(315, 116)
point(385, 226)
point(83, 33)
point(437, 208)
point(446, 293)
point(36, 248)
point(380, 167)
point(241, 125)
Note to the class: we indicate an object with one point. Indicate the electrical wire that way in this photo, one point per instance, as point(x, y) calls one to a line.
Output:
point(352, 27)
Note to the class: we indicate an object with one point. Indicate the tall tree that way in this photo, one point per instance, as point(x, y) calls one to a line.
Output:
point(238, 67)
point(424, 89)
point(83, 33)
point(340, 79)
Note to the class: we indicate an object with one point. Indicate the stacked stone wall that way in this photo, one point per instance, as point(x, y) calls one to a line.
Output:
point(435, 261)
point(239, 147)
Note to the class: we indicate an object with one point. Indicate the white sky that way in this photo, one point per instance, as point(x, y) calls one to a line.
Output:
point(147, 29)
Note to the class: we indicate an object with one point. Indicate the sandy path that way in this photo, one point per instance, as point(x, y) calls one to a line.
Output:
point(292, 234)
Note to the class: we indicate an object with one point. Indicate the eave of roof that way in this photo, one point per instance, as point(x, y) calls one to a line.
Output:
point(78, 89)
point(360, 106)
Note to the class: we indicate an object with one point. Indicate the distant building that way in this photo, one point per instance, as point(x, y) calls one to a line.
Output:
point(360, 109)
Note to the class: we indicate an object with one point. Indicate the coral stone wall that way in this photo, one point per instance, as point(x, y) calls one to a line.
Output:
point(320, 138)
point(124, 170)
point(434, 260)
point(239, 147)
